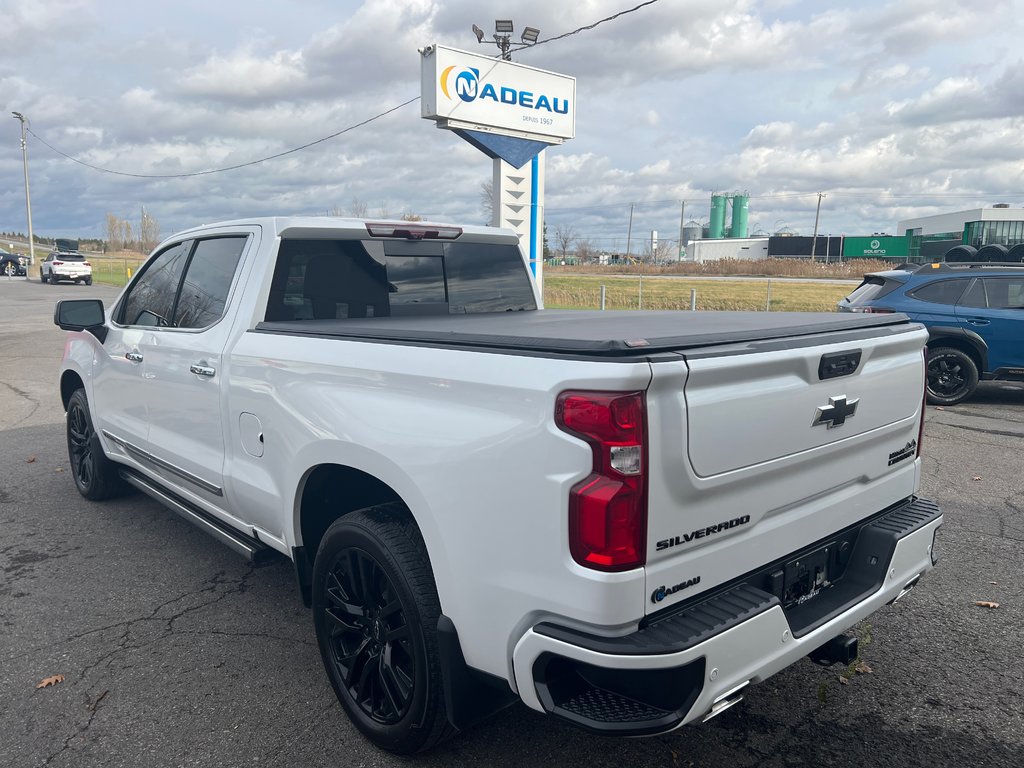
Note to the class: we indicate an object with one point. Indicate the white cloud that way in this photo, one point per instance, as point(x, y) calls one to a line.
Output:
point(26, 25)
point(245, 77)
point(675, 100)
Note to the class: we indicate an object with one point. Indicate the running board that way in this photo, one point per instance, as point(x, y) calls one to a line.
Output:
point(252, 549)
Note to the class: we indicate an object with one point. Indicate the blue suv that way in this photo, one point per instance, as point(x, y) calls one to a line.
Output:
point(974, 314)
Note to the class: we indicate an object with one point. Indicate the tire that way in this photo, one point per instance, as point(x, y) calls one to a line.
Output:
point(10, 269)
point(375, 610)
point(952, 376)
point(88, 281)
point(42, 277)
point(96, 476)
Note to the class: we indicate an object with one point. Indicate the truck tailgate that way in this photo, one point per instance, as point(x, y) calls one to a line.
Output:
point(760, 450)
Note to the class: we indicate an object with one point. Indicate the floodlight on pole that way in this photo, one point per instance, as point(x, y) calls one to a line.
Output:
point(503, 29)
point(28, 199)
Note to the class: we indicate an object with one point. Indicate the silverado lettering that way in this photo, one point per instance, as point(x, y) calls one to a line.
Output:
point(700, 533)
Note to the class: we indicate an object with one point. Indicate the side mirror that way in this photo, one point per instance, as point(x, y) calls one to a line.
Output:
point(81, 315)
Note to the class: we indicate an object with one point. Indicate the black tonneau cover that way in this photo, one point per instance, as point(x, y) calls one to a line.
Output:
point(589, 333)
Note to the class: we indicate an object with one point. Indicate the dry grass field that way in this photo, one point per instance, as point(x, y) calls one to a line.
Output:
point(849, 269)
point(584, 292)
point(113, 269)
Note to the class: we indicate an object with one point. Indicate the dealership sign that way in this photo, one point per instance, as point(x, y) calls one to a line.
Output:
point(462, 90)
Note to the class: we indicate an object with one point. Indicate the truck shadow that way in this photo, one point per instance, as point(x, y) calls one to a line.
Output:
point(765, 736)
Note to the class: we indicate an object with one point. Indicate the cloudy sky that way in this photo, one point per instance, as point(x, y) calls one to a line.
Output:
point(892, 108)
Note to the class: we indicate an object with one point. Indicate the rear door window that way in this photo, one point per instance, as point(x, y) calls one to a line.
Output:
point(975, 295)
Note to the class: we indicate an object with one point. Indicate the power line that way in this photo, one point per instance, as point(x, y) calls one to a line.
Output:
point(591, 26)
point(311, 143)
point(230, 167)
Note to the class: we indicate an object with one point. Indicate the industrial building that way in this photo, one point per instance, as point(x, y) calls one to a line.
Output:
point(933, 236)
point(989, 234)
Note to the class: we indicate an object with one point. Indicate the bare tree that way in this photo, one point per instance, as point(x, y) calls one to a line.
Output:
point(411, 217)
point(487, 201)
point(565, 236)
point(383, 211)
point(664, 250)
point(585, 250)
point(149, 231)
point(358, 208)
point(114, 242)
point(127, 234)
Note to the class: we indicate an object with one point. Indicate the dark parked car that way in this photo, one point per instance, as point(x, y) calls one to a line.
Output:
point(11, 264)
point(974, 314)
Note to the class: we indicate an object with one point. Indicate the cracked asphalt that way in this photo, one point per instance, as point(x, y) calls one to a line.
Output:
point(175, 652)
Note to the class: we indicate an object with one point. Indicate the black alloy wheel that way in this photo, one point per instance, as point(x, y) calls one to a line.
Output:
point(96, 476)
point(375, 609)
point(80, 440)
point(952, 376)
point(370, 640)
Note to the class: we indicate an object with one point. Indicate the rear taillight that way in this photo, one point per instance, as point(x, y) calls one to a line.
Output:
point(924, 402)
point(608, 508)
point(86, 264)
point(58, 263)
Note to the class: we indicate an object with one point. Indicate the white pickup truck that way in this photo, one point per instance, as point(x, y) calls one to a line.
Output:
point(622, 519)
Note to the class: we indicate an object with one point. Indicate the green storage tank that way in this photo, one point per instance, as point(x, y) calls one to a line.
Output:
point(717, 227)
point(740, 211)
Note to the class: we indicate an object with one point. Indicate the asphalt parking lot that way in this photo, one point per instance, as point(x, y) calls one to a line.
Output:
point(175, 652)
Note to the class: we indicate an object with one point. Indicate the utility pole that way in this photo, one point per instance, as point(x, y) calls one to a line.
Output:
point(28, 199)
point(817, 213)
point(682, 217)
point(629, 231)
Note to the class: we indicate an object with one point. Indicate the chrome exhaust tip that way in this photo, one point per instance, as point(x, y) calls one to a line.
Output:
point(906, 589)
point(726, 700)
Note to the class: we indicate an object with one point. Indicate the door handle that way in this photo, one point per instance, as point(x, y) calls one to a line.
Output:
point(978, 321)
point(202, 370)
point(135, 357)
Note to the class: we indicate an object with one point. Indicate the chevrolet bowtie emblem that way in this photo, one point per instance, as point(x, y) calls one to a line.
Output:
point(835, 414)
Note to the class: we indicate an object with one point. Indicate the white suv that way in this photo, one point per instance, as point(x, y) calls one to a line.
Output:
point(65, 265)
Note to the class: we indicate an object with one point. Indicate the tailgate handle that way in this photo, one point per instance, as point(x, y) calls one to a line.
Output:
point(835, 364)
